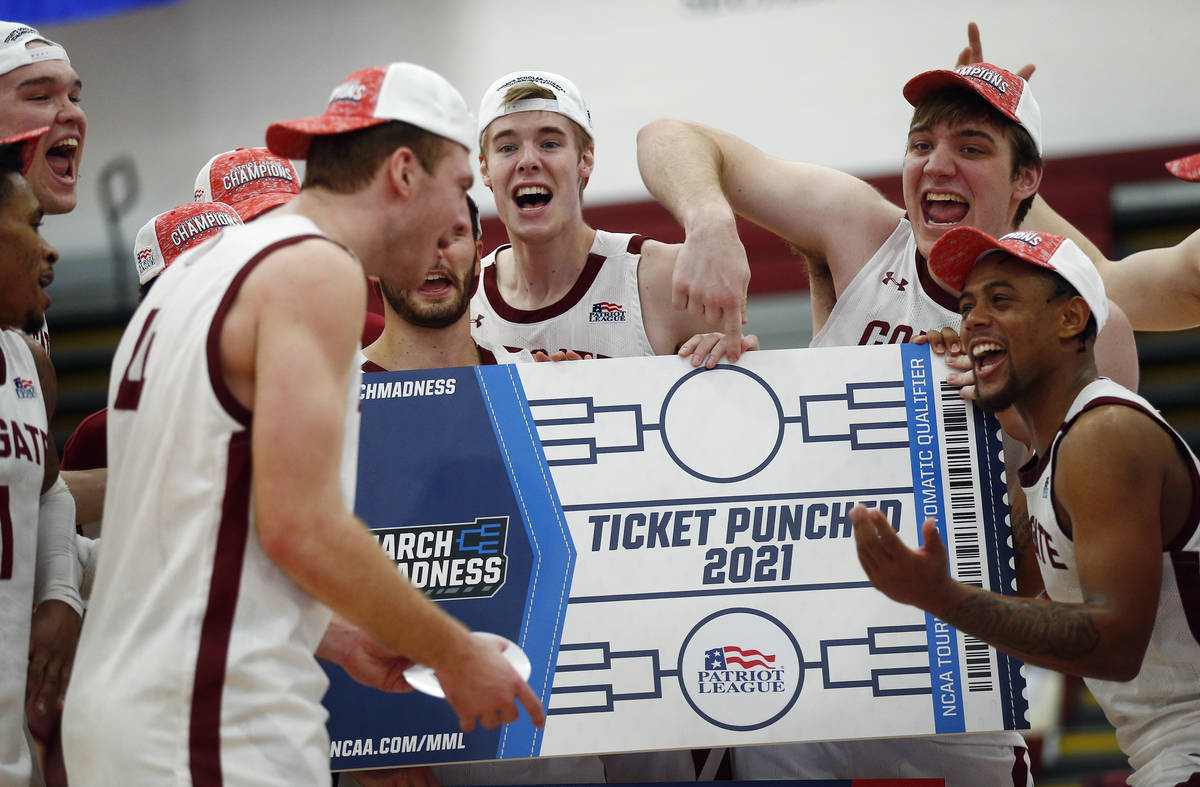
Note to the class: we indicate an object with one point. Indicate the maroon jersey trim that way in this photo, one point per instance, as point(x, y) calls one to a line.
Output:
point(371, 366)
point(935, 291)
point(587, 277)
point(213, 348)
point(204, 731)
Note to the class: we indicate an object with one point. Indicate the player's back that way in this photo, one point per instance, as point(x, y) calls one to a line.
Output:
point(196, 655)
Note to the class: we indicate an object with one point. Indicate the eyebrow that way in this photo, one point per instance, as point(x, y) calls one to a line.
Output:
point(964, 132)
point(543, 130)
point(47, 80)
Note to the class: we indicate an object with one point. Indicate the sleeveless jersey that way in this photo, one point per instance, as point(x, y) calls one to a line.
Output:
point(1157, 714)
point(890, 300)
point(601, 314)
point(23, 439)
point(196, 659)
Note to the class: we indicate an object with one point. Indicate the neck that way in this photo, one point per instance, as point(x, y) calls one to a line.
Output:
point(536, 274)
point(403, 345)
point(1045, 408)
point(345, 218)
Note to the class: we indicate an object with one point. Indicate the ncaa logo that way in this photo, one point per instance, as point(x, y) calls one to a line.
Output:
point(740, 669)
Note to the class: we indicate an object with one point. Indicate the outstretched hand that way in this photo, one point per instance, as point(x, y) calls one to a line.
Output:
point(919, 577)
point(973, 53)
point(53, 635)
point(483, 687)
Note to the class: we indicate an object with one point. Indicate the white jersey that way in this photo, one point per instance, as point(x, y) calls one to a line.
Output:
point(196, 659)
point(601, 315)
point(23, 440)
point(1157, 714)
point(890, 300)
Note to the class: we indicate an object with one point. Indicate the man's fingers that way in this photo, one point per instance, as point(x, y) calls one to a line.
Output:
point(974, 44)
point(1026, 71)
point(532, 705)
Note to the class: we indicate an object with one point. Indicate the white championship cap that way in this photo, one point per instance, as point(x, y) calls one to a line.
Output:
point(567, 101)
point(173, 232)
point(13, 50)
point(400, 91)
point(956, 253)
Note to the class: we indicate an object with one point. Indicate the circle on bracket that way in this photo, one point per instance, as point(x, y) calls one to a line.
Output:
point(721, 406)
point(740, 669)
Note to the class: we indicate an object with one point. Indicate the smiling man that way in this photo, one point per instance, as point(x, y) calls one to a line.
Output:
point(559, 284)
point(38, 87)
point(973, 158)
point(1113, 496)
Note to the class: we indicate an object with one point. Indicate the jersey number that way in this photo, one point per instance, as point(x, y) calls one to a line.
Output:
point(129, 392)
point(6, 536)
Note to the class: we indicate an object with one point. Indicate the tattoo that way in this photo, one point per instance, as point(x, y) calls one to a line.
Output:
point(1036, 628)
point(1022, 534)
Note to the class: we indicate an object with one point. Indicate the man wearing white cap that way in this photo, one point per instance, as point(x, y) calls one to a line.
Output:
point(1113, 495)
point(38, 87)
point(232, 445)
point(559, 285)
point(37, 557)
point(973, 159)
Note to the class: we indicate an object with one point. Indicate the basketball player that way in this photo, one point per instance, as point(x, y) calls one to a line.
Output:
point(559, 285)
point(36, 512)
point(1113, 497)
point(232, 445)
point(973, 158)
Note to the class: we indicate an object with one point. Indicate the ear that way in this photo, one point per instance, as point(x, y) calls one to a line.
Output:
point(401, 168)
point(483, 172)
point(1073, 318)
point(586, 162)
point(1026, 183)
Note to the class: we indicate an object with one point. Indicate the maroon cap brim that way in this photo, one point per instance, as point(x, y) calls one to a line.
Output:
point(1186, 168)
point(253, 207)
point(291, 138)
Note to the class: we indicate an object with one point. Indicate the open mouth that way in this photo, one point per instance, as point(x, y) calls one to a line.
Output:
point(531, 197)
point(943, 209)
point(986, 356)
point(436, 285)
point(61, 158)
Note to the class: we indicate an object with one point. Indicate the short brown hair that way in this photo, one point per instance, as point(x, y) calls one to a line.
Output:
point(524, 90)
point(345, 163)
point(958, 105)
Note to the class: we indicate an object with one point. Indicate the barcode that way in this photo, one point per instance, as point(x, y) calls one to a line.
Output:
point(964, 524)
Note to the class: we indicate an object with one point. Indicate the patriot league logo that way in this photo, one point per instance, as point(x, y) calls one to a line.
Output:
point(606, 312)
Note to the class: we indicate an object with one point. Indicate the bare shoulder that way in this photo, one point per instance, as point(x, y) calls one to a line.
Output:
point(1115, 440)
point(316, 275)
point(46, 375)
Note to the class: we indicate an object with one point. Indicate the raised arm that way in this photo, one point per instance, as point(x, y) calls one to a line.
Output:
point(1112, 501)
point(305, 304)
point(1159, 289)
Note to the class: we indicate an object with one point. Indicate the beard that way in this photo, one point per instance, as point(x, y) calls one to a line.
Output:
point(415, 311)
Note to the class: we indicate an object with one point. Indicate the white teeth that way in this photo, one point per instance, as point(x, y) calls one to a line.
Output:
point(526, 191)
point(985, 347)
point(944, 198)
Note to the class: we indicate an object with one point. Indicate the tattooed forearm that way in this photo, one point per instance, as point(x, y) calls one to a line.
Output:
point(1031, 627)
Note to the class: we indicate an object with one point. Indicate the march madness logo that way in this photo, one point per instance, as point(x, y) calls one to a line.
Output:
point(732, 670)
point(607, 312)
point(24, 388)
point(464, 560)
